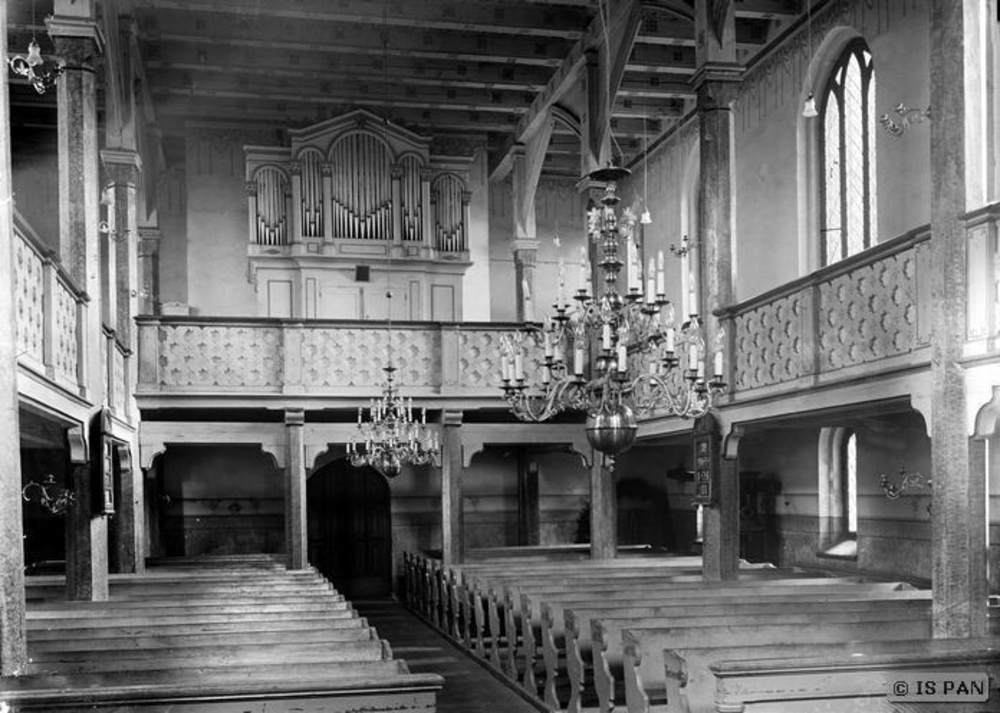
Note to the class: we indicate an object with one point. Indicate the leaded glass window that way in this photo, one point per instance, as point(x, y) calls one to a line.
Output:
point(847, 151)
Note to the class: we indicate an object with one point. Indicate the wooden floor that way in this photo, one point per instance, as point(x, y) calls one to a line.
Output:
point(468, 686)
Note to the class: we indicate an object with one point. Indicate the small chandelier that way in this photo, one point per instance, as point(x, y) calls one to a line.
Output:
point(390, 436)
point(644, 365)
point(40, 72)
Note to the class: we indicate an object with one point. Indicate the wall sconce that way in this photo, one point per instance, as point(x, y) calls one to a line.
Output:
point(49, 494)
point(105, 229)
point(684, 249)
point(907, 481)
point(908, 117)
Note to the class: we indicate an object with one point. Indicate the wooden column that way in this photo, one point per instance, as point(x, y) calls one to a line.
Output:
point(149, 270)
point(296, 538)
point(123, 168)
point(715, 81)
point(13, 649)
point(958, 527)
point(452, 517)
point(125, 550)
point(603, 510)
point(86, 530)
point(78, 41)
point(527, 498)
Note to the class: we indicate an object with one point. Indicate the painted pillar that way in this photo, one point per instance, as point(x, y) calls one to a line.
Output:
point(13, 648)
point(452, 517)
point(149, 270)
point(958, 525)
point(296, 542)
point(528, 532)
point(78, 41)
point(715, 81)
point(603, 510)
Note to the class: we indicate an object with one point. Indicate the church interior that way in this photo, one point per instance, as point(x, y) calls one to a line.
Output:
point(642, 354)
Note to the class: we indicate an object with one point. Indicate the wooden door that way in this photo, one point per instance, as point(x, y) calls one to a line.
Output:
point(350, 530)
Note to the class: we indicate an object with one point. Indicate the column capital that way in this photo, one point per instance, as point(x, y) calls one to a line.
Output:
point(295, 168)
point(396, 171)
point(526, 248)
point(718, 78)
point(451, 418)
point(295, 417)
point(426, 174)
point(123, 166)
point(77, 40)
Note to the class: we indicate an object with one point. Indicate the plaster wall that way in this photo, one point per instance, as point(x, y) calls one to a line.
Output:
point(172, 214)
point(222, 500)
point(559, 211)
point(476, 285)
point(217, 228)
point(893, 536)
point(772, 167)
point(35, 184)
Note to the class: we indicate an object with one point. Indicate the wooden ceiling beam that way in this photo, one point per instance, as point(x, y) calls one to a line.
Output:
point(422, 100)
point(567, 23)
point(317, 69)
point(289, 47)
point(769, 9)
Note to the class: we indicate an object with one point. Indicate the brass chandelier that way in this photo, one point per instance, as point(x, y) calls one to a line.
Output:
point(390, 436)
point(644, 363)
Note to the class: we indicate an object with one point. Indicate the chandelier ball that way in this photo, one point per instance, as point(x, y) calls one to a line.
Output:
point(612, 431)
point(389, 465)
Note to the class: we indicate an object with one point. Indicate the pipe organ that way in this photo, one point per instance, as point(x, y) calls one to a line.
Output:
point(349, 192)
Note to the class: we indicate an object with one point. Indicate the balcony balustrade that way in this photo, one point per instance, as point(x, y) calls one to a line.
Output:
point(50, 311)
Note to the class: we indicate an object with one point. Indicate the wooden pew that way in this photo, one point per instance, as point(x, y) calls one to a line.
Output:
point(573, 648)
point(183, 637)
point(851, 677)
point(689, 651)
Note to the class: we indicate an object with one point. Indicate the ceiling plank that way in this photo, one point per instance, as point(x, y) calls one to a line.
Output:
point(493, 18)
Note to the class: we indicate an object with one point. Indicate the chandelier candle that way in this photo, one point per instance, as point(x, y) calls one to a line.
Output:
point(665, 382)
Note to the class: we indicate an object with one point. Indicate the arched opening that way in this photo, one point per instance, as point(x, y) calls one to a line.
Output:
point(350, 529)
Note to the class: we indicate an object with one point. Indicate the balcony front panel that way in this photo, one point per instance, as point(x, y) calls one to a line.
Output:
point(332, 360)
point(870, 309)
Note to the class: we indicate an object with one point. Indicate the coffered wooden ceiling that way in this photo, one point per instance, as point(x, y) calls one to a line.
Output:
point(447, 67)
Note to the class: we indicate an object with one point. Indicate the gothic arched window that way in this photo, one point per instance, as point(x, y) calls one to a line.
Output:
point(847, 153)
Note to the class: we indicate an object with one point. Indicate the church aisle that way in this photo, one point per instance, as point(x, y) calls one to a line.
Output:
point(468, 687)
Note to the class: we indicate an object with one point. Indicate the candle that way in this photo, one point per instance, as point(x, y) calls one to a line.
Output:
point(578, 360)
point(505, 368)
point(701, 369)
point(546, 374)
point(661, 279)
point(584, 271)
point(670, 339)
point(606, 336)
point(561, 293)
point(692, 356)
point(654, 367)
point(622, 358)
point(560, 351)
point(519, 366)
point(547, 343)
point(718, 364)
point(651, 282)
point(529, 310)
point(423, 417)
point(359, 415)
point(634, 279)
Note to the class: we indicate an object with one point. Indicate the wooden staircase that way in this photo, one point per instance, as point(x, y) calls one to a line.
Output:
point(209, 634)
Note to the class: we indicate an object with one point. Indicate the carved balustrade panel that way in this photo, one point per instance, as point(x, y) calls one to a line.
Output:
point(29, 301)
point(869, 313)
point(769, 342)
point(355, 357)
point(480, 353)
point(219, 355)
point(65, 354)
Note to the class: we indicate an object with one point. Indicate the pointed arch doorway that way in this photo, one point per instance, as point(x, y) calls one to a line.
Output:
point(350, 529)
